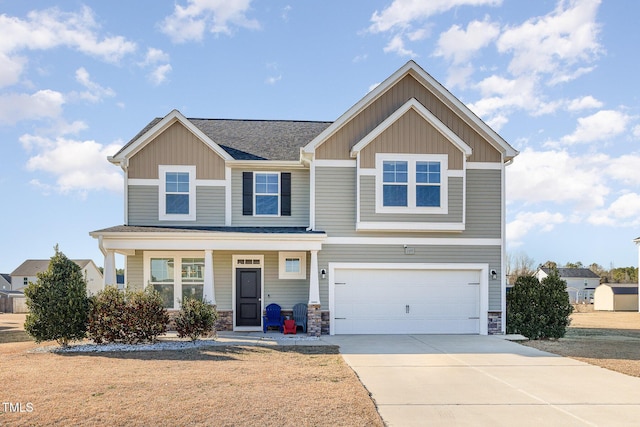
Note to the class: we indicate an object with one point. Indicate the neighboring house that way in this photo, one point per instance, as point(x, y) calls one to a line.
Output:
point(389, 220)
point(28, 272)
point(581, 283)
point(5, 282)
point(616, 297)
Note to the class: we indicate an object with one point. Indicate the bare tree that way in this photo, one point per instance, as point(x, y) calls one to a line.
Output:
point(519, 264)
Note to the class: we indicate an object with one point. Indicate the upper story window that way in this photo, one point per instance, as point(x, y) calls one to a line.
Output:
point(177, 193)
point(411, 183)
point(267, 193)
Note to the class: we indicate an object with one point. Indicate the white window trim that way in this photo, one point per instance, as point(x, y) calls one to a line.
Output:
point(177, 270)
point(255, 193)
point(411, 160)
point(283, 274)
point(162, 200)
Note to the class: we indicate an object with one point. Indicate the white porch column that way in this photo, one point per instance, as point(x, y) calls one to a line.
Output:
point(110, 269)
point(314, 284)
point(208, 293)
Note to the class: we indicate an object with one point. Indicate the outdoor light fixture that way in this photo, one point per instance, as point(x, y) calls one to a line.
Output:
point(494, 274)
point(323, 273)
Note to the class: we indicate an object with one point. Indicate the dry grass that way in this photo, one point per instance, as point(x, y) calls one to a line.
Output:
point(222, 386)
point(607, 339)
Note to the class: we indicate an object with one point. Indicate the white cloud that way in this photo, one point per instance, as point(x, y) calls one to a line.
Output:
point(559, 177)
point(154, 56)
point(584, 103)
point(95, 92)
point(396, 45)
point(43, 104)
point(624, 211)
point(159, 74)
point(601, 126)
point(400, 18)
point(78, 166)
point(158, 61)
point(636, 131)
point(189, 23)
point(273, 79)
point(552, 44)
point(624, 169)
point(501, 96)
point(401, 13)
point(458, 45)
point(50, 28)
point(525, 222)
point(10, 69)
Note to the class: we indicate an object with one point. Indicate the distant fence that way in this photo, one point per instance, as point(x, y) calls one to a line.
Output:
point(13, 303)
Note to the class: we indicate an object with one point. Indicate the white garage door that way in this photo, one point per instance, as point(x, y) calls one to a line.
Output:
point(383, 301)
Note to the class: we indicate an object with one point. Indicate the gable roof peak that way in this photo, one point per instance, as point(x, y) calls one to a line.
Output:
point(438, 90)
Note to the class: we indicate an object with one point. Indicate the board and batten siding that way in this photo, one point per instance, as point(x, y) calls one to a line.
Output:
point(376, 254)
point(368, 204)
point(411, 134)
point(176, 146)
point(338, 146)
point(299, 203)
point(336, 205)
point(143, 207)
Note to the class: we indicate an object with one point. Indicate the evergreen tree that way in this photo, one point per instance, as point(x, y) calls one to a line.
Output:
point(58, 303)
point(539, 309)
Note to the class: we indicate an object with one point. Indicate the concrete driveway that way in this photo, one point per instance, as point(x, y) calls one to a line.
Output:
point(454, 380)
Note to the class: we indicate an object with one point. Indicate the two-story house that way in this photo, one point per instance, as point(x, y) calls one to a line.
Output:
point(389, 220)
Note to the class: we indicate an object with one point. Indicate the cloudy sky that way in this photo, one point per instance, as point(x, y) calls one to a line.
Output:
point(557, 79)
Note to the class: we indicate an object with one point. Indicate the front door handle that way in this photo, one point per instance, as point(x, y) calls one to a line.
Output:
point(406, 308)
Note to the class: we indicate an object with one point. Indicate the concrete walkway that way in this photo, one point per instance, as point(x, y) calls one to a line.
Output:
point(446, 380)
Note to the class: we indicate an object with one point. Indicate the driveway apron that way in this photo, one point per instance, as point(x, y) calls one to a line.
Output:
point(471, 380)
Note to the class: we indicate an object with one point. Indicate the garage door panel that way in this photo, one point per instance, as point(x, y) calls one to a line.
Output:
point(378, 301)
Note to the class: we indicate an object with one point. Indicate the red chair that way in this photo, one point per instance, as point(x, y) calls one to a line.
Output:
point(289, 327)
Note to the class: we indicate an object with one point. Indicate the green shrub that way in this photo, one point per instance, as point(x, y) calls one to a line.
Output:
point(539, 310)
point(58, 303)
point(147, 316)
point(195, 319)
point(129, 317)
point(106, 316)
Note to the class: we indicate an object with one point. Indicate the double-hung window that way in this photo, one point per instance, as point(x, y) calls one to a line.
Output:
point(177, 198)
point(411, 183)
point(267, 193)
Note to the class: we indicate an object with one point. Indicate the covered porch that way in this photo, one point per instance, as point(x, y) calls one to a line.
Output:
point(240, 270)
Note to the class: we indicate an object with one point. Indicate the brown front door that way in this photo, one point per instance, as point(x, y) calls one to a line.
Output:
point(248, 297)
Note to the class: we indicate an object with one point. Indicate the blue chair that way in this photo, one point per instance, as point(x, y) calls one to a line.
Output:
point(272, 318)
point(300, 315)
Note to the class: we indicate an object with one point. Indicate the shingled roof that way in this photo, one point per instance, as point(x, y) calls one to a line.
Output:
point(254, 139)
point(31, 267)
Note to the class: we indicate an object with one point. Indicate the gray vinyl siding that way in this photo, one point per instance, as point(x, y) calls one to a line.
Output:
point(134, 273)
point(484, 199)
point(423, 254)
point(222, 279)
point(299, 203)
point(336, 200)
point(143, 206)
point(336, 205)
point(368, 204)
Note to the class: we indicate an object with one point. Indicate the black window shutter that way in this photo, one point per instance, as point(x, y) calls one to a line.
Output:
point(247, 193)
point(285, 194)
